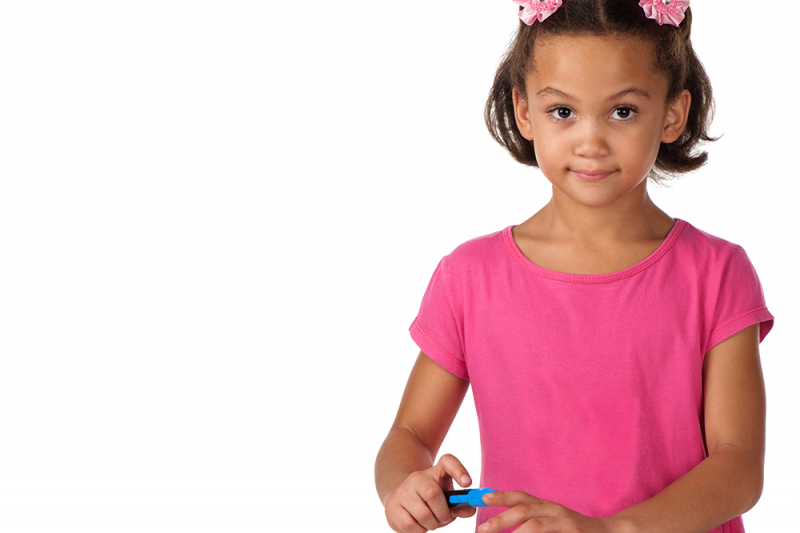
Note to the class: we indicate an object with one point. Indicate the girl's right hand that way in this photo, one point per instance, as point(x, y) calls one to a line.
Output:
point(419, 504)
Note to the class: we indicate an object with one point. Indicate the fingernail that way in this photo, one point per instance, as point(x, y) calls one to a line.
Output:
point(465, 480)
point(484, 527)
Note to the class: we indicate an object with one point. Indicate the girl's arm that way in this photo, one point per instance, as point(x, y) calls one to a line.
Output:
point(409, 485)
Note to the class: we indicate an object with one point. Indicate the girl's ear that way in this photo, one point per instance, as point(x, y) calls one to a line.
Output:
point(522, 114)
point(677, 116)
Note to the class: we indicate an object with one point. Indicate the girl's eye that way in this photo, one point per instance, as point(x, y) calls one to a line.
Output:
point(561, 113)
point(624, 113)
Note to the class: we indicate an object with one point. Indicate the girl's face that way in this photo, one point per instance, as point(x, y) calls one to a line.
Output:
point(597, 114)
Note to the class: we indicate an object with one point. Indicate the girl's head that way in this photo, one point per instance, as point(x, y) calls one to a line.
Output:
point(559, 83)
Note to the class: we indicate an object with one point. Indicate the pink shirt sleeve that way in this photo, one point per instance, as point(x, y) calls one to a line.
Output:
point(438, 328)
point(740, 300)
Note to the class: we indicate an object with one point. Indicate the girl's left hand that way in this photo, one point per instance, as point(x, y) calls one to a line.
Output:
point(538, 516)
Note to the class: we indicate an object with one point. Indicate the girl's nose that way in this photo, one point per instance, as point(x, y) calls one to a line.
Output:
point(591, 141)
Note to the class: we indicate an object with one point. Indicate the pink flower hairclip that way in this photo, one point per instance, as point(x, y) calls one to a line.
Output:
point(665, 11)
point(536, 9)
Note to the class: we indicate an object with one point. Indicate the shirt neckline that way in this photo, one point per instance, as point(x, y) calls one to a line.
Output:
point(593, 278)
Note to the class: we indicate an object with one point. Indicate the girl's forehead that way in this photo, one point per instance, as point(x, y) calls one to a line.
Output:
point(607, 50)
point(595, 61)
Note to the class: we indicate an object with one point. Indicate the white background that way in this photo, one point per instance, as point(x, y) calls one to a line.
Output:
point(217, 221)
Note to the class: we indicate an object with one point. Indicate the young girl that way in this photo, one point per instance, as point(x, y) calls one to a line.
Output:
point(613, 350)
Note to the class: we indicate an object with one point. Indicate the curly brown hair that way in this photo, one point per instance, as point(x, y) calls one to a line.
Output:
point(674, 56)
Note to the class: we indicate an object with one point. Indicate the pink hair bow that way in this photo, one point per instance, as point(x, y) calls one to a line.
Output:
point(665, 11)
point(536, 9)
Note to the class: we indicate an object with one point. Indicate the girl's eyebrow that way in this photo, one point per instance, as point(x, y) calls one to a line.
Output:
point(555, 92)
point(634, 90)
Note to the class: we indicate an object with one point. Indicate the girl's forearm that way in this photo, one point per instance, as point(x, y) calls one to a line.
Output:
point(401, 454)
point(725, 485)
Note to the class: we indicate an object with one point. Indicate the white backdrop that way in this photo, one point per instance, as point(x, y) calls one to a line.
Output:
point(218, 219)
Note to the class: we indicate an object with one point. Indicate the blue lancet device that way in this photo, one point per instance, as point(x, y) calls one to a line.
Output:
point(466, 498)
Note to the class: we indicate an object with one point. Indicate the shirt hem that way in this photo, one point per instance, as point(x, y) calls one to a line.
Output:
point(436, 352)
point(734, 325)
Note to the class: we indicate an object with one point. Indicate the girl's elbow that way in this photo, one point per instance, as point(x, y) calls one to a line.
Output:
point(754, 481)
point(758, 487)
point(751, 475)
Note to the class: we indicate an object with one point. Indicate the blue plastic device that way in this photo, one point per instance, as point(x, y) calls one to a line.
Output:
point(466, 498)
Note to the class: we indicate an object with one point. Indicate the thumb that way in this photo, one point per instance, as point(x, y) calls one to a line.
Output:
point(453, 468)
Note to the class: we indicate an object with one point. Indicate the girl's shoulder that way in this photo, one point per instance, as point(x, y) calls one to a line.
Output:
point(706, 245)
point(478, 248)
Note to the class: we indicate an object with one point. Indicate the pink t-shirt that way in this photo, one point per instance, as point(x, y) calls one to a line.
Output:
point(588, 388)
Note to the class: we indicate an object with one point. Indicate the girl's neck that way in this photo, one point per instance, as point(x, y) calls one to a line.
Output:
point(564, 222)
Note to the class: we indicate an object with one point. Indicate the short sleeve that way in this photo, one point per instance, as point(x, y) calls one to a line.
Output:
point(740, 301)
point(438, 326)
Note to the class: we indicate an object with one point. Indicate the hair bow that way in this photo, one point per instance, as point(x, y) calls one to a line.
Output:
point(665, 11)
point(536, 9)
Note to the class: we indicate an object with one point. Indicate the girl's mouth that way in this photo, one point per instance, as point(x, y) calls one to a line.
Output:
point(592, 175)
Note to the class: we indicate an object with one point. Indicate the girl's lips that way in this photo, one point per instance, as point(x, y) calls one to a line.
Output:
point(592, 175)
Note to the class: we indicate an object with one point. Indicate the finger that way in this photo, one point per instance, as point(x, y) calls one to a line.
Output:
point(463, 512)
point(437, 502)
point(510, 499)
point(514, 516)
point(420, 511)
point(453, 468)
point(405, 523)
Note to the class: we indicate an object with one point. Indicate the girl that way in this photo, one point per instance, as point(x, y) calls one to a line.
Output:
point(612, 349)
